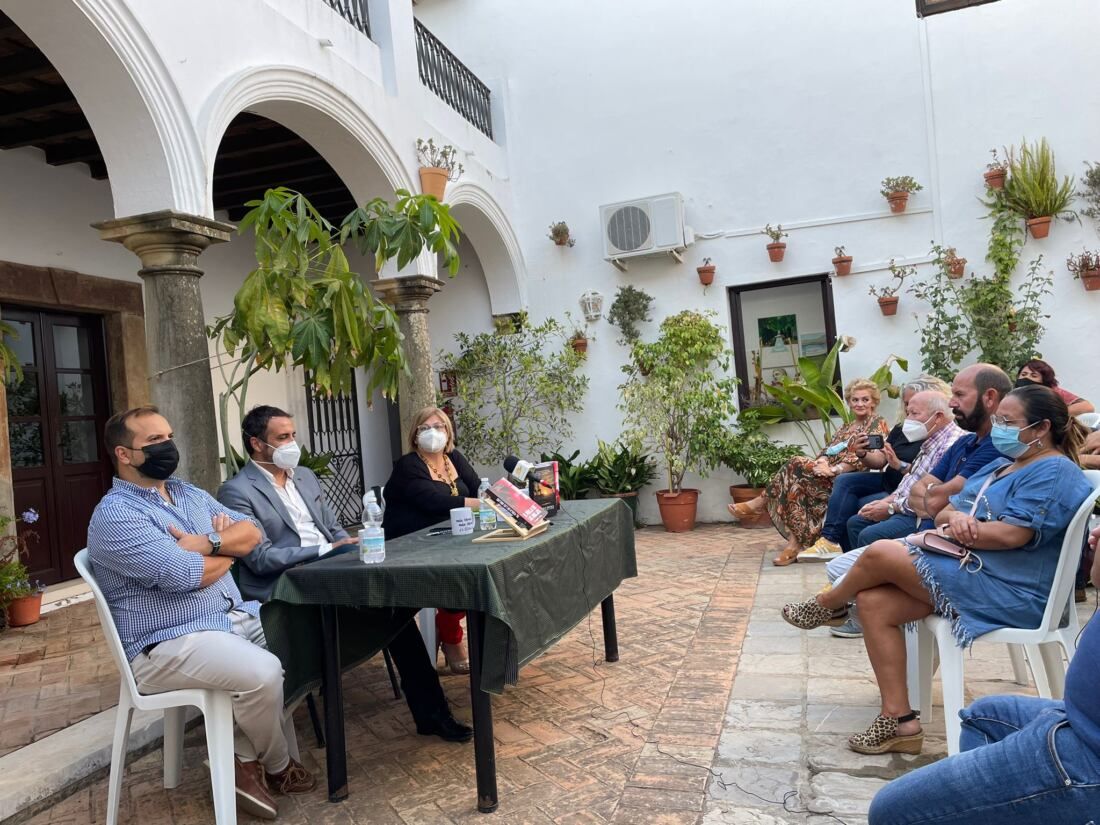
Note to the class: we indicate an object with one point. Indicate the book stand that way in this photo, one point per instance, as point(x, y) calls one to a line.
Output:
point(514, 531)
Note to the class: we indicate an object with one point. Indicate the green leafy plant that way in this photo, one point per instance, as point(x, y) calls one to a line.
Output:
point(510, 322)
point(777, 234)
point(10, 368)
point(900, 273)
point(1032, 189)
point(752, 455)
point(303, 306)
point(630, 308)
point(904, 183)
point(439, 157)
point(1091, 192)
point(997, 164)
point(15, 582)
point(516, 392)
point(559, 234)
point(679, 407)
point(621, 468)
point(575, 477)
point(1083, 262)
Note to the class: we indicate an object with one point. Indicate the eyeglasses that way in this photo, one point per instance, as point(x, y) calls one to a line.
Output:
point(1001, 421)
point(440, 428)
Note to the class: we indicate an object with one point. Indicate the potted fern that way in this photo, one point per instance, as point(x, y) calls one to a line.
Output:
point(842, 263)
point(1086, 266)
point(1033, 189)
point(897, 191)
point(888, 294)
point(437, 167)
point(776, 249)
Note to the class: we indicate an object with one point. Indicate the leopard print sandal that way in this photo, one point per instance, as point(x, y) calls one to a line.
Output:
point(809, 614)
point(882, 736)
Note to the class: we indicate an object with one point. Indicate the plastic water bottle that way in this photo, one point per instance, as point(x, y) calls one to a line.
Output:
point(372, 539)
point(486, 515)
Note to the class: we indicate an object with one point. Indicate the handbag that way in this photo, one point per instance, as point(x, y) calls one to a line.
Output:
point(933, 541)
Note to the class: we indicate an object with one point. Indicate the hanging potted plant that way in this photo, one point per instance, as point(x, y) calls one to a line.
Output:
point(706, 272)
point(842, 263)
point(20, 598)
point(620, 471)
point(630, 308)
point(1086, 266)
point(897, 191)
point(559, 234)
point(953, 264)
point(888, 294)
point(1033, 189)
point(755, 457)
point(996, 171)
point(578, 338)
point(776, 249)
point(437, 167)
point(681, 410)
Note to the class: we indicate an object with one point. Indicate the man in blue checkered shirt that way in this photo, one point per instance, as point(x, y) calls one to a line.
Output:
point(161, 550)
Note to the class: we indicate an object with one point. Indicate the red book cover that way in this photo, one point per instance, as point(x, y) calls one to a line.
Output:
point(526, 511)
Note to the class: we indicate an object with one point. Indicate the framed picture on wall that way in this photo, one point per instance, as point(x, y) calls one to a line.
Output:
point(813, 344)
point(778, 340)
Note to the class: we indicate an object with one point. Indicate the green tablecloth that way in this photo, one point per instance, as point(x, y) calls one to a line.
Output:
point(532, 592)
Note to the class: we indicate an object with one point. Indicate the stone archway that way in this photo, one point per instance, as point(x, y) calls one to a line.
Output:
point(484, 223)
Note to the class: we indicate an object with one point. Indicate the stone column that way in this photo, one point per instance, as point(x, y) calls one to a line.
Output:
point(169, 244)
point(409, 297)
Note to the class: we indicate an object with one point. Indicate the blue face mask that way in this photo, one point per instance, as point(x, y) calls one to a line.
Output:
point(837, 449)
point(1006, 440)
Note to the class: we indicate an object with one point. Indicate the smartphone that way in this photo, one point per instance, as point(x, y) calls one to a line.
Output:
point(875, 442)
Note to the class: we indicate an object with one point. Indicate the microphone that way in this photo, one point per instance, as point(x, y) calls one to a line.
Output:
point(517, 468)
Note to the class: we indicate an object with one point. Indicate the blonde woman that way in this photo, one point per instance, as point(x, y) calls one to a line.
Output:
point(798, 495)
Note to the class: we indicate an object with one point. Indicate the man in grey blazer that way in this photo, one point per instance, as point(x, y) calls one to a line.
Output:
point(299, 526)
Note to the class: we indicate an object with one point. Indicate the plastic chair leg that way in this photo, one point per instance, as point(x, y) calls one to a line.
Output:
point(123, 715)
point(1054, 667)
point(925, 667)
point(393, 676)
point(219, 749)
point(1019, 666)
point(951, 674)
point(1038, 669)
point(912, 666)
point(173, 745)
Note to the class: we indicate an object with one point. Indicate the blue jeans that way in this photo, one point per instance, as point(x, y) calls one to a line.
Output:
point(850, 492)
point(862, 531)
point(1021, 764)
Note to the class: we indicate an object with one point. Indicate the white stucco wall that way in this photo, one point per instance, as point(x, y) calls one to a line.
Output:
point(781, 112)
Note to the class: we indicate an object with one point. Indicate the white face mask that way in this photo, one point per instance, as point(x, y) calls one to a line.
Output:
point(432, 440)
point(915, 430)
point(286, 457)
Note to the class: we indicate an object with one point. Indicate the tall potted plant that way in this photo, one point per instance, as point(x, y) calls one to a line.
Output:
point(620, 471)
point(1033, 190)
point(756, 458)
point(438, 167)
point(681, 407)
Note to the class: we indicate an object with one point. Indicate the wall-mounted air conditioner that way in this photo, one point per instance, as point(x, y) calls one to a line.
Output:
point(647, 226)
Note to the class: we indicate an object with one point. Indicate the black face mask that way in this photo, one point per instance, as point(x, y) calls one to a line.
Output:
point(161, 460)
point(1025, 382)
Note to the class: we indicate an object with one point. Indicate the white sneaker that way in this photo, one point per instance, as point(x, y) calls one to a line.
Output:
point(851, 629)
point(821, 550)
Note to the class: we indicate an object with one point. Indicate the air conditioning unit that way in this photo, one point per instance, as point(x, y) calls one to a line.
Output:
point(648, 226)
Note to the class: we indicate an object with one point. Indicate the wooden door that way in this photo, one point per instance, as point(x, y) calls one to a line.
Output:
point(55, 424)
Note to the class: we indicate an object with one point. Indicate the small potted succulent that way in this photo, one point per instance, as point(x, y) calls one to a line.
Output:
point(996, 171)
point(953, 264)
point(897, 191)
point(1086, 266)
point(437, 167)
point(888, 294)
point(776, 249)
point(20, 598)
point(842, 263)
point(706, 272)
point(559, 234)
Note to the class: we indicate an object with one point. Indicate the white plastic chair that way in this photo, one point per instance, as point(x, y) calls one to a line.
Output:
point(1090, 420)
point(1045, 645)
point(216, 707)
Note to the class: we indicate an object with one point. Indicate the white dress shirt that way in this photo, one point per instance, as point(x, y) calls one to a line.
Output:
point(295, 505)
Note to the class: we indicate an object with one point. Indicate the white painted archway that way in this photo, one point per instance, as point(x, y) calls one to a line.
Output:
point(490, 232)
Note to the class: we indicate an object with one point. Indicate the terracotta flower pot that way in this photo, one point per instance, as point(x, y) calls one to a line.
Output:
point(957, 269)
point(898, 201)
point(24, 611)
point(741, 493)
point(843, 265)
point(776, 251)
point(580, 345)
point(995, 179)
point(888, 305)
point(1091, 279)
point(706, 274)
point(562, 240)
point(1039, 227)
point(678, 509)
point(433, 181)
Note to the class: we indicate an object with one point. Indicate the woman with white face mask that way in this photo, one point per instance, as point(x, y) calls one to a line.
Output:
point(426, 484)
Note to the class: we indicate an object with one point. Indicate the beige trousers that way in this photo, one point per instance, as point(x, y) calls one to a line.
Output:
point(237, 662)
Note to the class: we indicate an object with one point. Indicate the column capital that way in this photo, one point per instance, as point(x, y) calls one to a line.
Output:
point(166, 241)
point(409, 293)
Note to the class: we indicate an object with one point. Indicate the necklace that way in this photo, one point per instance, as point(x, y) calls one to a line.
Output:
point(442, 475)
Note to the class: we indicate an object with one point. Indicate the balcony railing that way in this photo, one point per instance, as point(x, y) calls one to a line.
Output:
point(354, 11)
point(446, 75)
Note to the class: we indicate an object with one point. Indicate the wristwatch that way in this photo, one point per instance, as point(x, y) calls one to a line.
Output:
point(215, 540)
point(891, 509)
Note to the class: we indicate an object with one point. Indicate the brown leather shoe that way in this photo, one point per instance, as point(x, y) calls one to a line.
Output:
point(252, 794)
point(292, 779)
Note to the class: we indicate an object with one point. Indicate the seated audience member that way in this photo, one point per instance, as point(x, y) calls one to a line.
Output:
point(1040, 372)
point(299, 526)
point(851, 491)
point(1023, 760)
point(161, 550)
point(1090, 453)
point(798, 495)
point(426, 484)
point(975, 393)
point(1012, 516)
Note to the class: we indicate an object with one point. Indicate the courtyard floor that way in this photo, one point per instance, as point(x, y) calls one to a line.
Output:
point(718, 712)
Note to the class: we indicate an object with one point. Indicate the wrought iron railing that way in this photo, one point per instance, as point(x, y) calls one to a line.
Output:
point(354, 11)
point(446, 75)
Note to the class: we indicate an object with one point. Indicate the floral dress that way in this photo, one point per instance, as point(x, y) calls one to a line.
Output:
point(797, 499)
